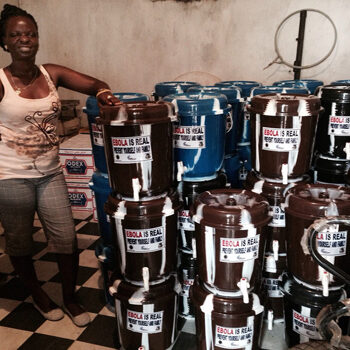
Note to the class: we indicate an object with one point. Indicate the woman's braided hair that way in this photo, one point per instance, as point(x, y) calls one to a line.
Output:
point(8, 12)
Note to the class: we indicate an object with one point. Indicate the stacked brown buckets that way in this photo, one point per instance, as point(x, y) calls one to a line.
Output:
point(283, 134)
point(143, 211)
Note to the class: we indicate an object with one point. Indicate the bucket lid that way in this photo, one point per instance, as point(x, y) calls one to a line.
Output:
point(239, 83)
point(165, 205)
point(311, 84)
point(257, 184)
point(341, 82)
point(173, 87)
point(335, 93)
point(301, 294)
point(330, 165)
point(91, 106)
point(285, 105)
point(318, 200)
point(198, 103)
point(137, 294)
point(233, 93)
point(231, 207)
point(210, 303)
point(134, 113)
point(278, 89)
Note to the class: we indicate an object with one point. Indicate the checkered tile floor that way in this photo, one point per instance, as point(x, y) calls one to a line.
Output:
point(22, 326)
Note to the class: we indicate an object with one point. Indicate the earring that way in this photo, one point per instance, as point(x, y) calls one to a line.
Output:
point(5, 47)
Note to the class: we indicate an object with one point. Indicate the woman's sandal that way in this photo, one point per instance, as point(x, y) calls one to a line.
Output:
point(52, 315)
point(80, 320)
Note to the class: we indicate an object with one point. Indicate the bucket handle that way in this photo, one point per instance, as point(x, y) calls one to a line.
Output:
point(318, 226)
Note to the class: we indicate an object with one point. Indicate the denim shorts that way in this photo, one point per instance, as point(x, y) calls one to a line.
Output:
point(48, 196)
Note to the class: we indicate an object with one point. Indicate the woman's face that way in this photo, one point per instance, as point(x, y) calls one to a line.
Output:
point(21, 38)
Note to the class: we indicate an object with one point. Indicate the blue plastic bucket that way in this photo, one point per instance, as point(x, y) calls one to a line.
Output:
point(92, 111)
point(232, 164)
point(172, 87)
point(199, 134)
point(99, 183)
point(310, 84)
point(244, 85)
point(233, 125)
point(278, 89)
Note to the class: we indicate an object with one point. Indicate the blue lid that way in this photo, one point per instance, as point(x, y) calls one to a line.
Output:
point(341, 82)
point(173, 87)
point(310, 84)
point(92, 106)
point(278, 89)
point(198, 103)
point(245, 85)
point(233, 93)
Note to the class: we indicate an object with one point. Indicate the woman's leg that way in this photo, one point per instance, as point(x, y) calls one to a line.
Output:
point(17, 209)
point(55, 213)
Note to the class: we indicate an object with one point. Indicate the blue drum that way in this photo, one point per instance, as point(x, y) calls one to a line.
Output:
point(99, 183)
point(232, 164)
point(233, 125)
point(341, 82)
point(245, 85)
point(310, 84)
point(199, 134)
point(92, 111)
point(172, 87)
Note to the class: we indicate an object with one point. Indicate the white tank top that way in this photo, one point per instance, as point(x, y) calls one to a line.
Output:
point(29, 143)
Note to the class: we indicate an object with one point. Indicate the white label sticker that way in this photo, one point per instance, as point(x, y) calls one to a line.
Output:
point(278, 217)
point(280, 140)
point(185, 221)
point(131, 149)
point(145, 322)
point(234, 250)
point(272, 287)
point(144, 241)
point(339, 125)
point(233, 338)
point(189, 136)
point(97, 135)
point(332, 242)
point(305, 325)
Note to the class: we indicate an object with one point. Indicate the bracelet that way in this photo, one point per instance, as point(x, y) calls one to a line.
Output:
point(102, 91)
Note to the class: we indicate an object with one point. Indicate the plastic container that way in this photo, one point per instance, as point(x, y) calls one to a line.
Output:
point(199, 136)
point(230, 238)
point(138, 146)
point(245, 85)
point(172, 87)
point(92, 110)
point(310, 84)
point(145, 235)
point(283, 133)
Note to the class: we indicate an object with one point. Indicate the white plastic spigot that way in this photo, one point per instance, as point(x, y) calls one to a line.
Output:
point(194, 248)
point(325, 283)
point(347, 150)
point(284, 172)
point(136, 187)
point(275, 248)
point(243, 285)
point(270, 320)
point(180, 170)
point(145, 277)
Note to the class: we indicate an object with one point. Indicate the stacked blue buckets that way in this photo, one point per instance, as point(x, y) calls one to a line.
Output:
point(99, 183)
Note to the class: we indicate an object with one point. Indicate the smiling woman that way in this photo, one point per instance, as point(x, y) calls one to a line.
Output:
point(31, 178)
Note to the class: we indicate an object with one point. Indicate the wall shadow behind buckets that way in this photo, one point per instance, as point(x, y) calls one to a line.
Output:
point(138, 146)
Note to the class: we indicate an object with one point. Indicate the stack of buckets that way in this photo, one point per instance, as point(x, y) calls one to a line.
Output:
point(242, 147)
point(143, 210)
point(199, 145)
point(283, 133)
point(99, 183)
point(221, 231)
point(332, 147)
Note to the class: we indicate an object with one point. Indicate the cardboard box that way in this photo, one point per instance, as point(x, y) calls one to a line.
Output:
point(77, 159)
point(81, 197)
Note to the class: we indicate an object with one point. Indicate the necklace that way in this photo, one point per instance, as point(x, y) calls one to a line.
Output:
point(19, 90)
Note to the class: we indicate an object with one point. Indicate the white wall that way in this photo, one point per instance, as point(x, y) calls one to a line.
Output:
point(134, 44)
